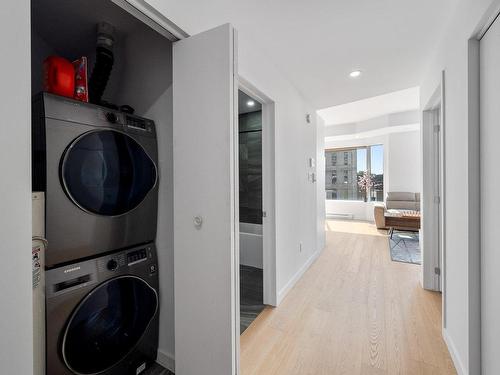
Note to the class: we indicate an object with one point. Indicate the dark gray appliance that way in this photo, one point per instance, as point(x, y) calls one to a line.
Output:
point(98, 168)
point(102, 314)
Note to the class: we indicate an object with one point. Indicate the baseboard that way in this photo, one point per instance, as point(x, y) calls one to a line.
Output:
point(165, 359)
point(459, 366)
point(333, 216)
point(290, 284)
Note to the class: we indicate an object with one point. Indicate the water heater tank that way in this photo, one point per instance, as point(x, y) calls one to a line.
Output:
point(38, 246)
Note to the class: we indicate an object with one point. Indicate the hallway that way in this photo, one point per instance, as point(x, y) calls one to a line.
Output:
point(353, 312)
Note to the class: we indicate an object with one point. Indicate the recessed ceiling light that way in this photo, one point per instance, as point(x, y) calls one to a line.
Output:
point(355, 73)
point(250, 103)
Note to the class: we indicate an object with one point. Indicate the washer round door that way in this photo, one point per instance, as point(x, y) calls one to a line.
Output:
point(106, 172)
point(108, 324)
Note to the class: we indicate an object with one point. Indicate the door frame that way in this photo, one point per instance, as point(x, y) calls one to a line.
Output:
point(145, 13)
point(474, 199)
point(474, 175)
point(268, 190)
point(434, 207)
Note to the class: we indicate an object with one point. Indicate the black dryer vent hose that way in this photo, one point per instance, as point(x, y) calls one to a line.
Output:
point(103, 62)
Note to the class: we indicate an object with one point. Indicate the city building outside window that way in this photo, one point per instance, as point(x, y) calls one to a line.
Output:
point(357, 160)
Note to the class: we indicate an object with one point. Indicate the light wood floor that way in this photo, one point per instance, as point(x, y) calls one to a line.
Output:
point(353, 312)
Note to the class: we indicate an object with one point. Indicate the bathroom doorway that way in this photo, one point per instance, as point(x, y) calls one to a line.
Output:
point(251, 209)
point(257, 254)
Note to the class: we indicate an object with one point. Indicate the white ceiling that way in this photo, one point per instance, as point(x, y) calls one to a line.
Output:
point(365, 109)
point(316, 43)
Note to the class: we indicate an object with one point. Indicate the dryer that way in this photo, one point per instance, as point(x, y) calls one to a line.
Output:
point(98, 169)
point(102, 314)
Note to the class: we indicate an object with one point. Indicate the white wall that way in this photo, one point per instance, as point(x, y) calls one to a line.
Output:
point(391, 122)
point(297, 219)
point(402, 171)
point(320, 184)
point(357, 210)
point(16, 338)
point(461, 323)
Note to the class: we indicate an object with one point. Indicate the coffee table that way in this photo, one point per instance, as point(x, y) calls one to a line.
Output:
point(405, 220)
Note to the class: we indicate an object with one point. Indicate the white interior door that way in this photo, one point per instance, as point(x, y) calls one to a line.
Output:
point(490, 207)
point(205, 203)
point(431, 206)
point(437, 196)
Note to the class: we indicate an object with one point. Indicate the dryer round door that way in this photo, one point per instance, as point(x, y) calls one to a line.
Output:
point(106, 172)
point(108, 324)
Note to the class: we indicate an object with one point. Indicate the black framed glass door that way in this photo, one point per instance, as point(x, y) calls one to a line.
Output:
point(107, 172)
point(108, 324)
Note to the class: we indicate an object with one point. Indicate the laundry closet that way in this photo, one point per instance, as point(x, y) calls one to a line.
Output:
point(137, 160)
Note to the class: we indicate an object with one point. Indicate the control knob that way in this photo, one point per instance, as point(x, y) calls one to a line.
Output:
point(112, 265)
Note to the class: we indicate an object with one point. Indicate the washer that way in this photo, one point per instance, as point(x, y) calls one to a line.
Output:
point(98, 169)
point(102, 314)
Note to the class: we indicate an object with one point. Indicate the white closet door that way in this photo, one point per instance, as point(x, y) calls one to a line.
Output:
point(490, 203)
point(205, 235)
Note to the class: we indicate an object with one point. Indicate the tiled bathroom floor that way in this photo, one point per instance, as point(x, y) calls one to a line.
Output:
point(251, 295)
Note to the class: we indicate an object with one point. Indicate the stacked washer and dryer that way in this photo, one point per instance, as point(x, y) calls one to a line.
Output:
point(98, 169)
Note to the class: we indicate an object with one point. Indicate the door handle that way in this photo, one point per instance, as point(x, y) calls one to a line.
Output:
point(198, 222)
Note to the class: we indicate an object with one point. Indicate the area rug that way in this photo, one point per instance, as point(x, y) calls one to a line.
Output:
point(405, 247)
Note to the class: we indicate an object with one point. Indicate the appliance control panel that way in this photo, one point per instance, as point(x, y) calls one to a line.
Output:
point(139, 123)
point(65, 109)
point(69, 278)
point(126, 122)
point(137, 256)
point(124, 259)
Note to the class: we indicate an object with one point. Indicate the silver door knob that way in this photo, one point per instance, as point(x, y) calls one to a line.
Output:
point(198, 221)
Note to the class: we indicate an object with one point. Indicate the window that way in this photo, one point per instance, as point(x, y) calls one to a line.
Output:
point(342, 182)
point(377, 172)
